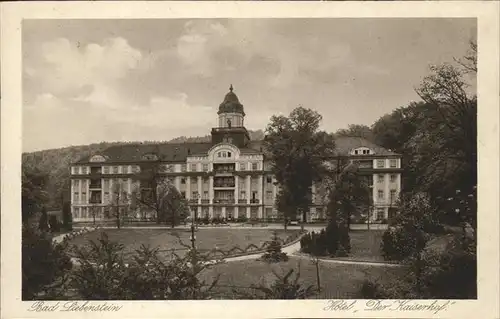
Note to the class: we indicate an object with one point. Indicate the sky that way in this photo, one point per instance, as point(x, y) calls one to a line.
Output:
point(87, 81)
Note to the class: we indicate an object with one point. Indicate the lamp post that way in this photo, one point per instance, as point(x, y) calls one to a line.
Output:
point(193, 221)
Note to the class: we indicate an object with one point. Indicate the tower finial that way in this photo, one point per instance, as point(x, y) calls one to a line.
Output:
point(231, 88)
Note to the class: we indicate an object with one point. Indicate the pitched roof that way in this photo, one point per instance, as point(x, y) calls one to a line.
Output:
point(344, 144)
point(179, 152)
point(168, 152)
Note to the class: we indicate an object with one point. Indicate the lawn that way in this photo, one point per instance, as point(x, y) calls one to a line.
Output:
point(338, 281)
point(166, 240)
point(365, 245)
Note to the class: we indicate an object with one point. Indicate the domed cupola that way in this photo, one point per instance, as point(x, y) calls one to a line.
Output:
point(231, 104)
point(231, 128)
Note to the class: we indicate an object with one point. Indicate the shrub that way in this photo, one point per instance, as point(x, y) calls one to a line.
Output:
point(242, 219)
point(205, 220)
point(397, 243)
point(54, 224)
point(43, 222)
point(327, 242)
point(371, 290)
point(104, 274)
point(273, 252)
point(453, 273)
point(284, 287)
point(67, 217)
point(44, 264)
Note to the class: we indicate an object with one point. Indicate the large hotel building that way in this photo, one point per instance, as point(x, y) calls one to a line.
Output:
point(227, 177)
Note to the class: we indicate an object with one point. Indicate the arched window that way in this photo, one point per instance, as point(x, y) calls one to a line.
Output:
point(97, 158)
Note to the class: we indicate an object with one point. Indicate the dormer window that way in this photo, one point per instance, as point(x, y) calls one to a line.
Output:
point(362, 151)
point(97, 158)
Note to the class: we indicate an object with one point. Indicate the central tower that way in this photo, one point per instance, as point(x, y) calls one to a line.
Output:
point(231, 118)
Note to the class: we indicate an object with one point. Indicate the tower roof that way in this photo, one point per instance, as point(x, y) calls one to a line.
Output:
point(231, 103)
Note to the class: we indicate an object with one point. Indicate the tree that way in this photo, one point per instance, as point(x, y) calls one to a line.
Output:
point(119, 203)
point(44, 265)
point(356, 130)
point(33, 191)
point(95, 210)
point(348, 195)
point(297, 150)
point(66, 216)
point(448, 142)
point(157, 194)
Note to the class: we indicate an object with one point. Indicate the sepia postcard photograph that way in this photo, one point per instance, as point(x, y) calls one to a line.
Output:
point(325, 161)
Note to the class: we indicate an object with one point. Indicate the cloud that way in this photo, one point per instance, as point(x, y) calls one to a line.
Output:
point(66, 67)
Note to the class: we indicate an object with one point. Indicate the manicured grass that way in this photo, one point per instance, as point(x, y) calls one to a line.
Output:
point(165, 239)
point(337, 280)
point(365, 245)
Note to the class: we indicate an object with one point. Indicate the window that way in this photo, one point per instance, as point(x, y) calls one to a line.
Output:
point(205, 195)
point(136, 169)
point(124, 169)
point(380, 163)
point(243, 195)
point(393, 178)
point(366, 152)
point(255, 166)
point(269, 179)
point(183, 167)
point(269, 195)
point(243, 166)
point(205, 167)
point(380, 178)
point(75, 196)
point(393, 163)
point(105, 169)
point(183, 194)
point(380, 194)
point(393, 195)
point(84, 197)
point(379, 214)
point(115, 169)
point(228, 154)
point(169, 168)
point(193, 167)
point(224, 154)
point(356, 152)
point(183, 180)
point(219, 154)
point(195, 195)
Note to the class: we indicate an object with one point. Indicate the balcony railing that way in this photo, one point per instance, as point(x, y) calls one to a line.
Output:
point(96, 185)
point(224, 170)
point(224, 184)
point(242, 201)
point(193, 201)
point(254, 201)
point(223, 201)
point(205, 201)
point(95, 201)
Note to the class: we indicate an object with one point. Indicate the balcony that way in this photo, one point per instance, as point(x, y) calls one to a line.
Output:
point(224, 168)
point(223, 201)
point(95, 185)
point(242, 201)
point(193, 201)
point(224, 182)
point(205, 201)
point(254, 201)
point(95, 170)
point(224, 185)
